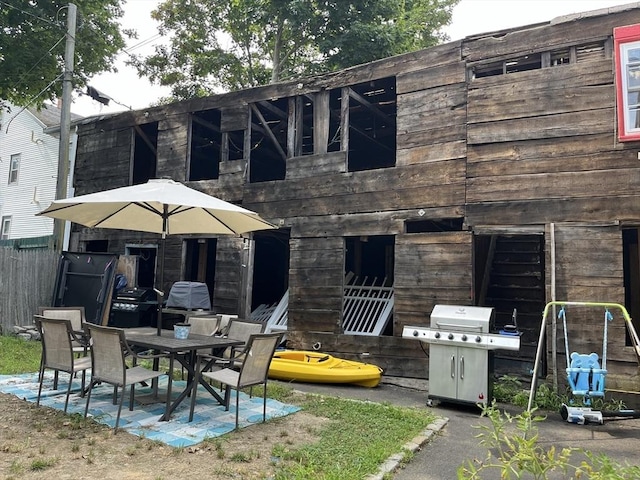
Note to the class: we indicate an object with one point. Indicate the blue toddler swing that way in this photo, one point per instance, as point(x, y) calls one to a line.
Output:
point(586, 378)
point(585, 374)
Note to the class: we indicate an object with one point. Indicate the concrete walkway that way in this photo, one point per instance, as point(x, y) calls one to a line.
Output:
point(454, 441)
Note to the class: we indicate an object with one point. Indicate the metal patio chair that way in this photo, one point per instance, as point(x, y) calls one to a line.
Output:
point(57, 353)
point(77, 318)
point(109, 350)
point(256, 358)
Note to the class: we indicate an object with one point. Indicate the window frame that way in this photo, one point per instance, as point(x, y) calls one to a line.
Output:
point(14, 168)
point(5, 232)
point(626, 38)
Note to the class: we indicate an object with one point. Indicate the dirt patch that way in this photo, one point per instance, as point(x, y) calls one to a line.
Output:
point(43, 443)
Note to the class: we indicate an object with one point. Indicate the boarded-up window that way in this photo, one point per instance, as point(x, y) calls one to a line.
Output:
point(431, 268)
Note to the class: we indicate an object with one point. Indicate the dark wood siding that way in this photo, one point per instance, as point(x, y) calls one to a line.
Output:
point(478, 152)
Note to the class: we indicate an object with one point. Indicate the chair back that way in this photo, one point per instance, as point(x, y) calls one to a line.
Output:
point(57, 352)
point(108, 346)
point(225, 320)
point(258, 354)
point(204, 324)
point(73, 314)
point(241, 330)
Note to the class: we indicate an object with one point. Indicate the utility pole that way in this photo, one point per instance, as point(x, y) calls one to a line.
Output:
point(65, 122)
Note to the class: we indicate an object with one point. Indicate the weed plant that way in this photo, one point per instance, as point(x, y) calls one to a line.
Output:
point(515, 454)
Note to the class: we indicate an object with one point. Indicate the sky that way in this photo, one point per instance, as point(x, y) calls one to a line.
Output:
point(469, 17)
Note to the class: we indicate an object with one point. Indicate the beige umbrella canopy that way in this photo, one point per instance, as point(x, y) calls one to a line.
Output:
point(161, 206)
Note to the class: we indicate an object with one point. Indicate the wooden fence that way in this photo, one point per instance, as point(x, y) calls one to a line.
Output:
point(27, 279)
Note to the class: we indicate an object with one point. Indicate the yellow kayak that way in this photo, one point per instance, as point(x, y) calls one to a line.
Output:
point(317, 367)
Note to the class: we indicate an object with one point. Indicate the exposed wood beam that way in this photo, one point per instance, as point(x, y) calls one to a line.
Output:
point(273, 109)
point(374, 109)
point(268, 131)
point(365, 134)
point(206, 124)
point(146, 140)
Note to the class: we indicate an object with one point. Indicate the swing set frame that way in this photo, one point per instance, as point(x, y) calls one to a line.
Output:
point(583, 363)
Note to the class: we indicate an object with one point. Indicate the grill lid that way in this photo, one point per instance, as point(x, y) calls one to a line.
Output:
point(461, 317)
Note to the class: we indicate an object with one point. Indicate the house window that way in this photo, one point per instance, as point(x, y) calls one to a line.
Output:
point(627, 51)
point(5, 229)
point(14, 166)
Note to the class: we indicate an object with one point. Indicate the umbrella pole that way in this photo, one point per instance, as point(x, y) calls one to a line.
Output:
point(160, 283)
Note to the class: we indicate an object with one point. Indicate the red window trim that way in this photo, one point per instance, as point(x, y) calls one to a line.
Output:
point(622, 35)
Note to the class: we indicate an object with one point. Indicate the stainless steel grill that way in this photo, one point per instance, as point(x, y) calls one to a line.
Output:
point(460, 360)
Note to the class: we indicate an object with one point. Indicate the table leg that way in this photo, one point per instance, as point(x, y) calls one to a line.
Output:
point(169, 407)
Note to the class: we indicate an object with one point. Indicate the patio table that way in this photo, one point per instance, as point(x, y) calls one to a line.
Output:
point(184, 351)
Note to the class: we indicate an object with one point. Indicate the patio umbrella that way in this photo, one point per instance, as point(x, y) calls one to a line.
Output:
point(159, 206)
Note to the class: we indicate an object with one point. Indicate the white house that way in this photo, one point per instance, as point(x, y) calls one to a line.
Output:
point(28, 170)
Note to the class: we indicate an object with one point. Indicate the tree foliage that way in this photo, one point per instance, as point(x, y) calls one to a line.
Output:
point(32, 46)
point(218, 46)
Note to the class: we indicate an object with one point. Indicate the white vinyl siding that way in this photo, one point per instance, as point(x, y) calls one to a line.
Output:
point(29, 181)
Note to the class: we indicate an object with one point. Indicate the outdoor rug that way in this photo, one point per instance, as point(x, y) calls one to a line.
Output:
point(209, 419)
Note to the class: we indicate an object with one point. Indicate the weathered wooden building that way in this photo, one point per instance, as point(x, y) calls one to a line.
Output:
point(486, 171)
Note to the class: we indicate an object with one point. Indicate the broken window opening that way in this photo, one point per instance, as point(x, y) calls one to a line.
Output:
point(206, 145)
point(145, 155)
point(368, 293)
point(270, 267)
point(147, 254)
point(200, 261)
point(235, 145)
point(631, 268)
point(371, 256)
point(565, 56)
point(434, 225)
point(304, 111)
point(96, 246)
point(269, 130)
point(561, 57)
point(335, 108)
point(523, 64)
point(372, 125)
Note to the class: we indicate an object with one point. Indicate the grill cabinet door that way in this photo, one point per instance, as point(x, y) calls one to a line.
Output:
point(443, 371)
point(473, 381)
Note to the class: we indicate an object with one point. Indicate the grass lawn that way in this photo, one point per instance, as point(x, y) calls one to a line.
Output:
point(354, 441)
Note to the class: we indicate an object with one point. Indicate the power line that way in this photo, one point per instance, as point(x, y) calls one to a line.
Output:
point(39, 60)
point(33, 99)
point(46, 20)
point(142, 43)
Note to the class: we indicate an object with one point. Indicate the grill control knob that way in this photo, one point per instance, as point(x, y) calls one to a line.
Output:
point(415, 333)
point(478, 339)
point(464, 338)
point(437, 334)
point(450, 336)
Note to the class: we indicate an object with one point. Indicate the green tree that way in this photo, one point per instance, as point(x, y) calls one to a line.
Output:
point(32, 46)
point(219, 46)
